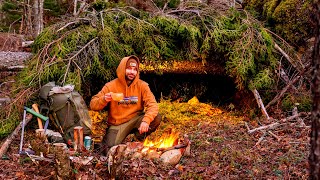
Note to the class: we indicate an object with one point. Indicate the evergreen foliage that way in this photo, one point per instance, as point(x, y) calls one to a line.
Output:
point(89, 48)
point(289, 18)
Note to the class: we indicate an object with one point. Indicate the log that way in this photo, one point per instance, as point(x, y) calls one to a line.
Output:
point(63, 165)
point(78, 138)
point(10, 138)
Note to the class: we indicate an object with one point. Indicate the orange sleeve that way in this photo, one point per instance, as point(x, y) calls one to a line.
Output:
point(150, 105)
point(98, 101)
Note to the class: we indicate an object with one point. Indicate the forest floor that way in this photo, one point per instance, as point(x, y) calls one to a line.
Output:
point(221, 148)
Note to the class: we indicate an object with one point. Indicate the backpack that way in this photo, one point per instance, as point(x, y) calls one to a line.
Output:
point(66, 108)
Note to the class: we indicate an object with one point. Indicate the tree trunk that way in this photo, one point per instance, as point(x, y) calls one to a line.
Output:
point(314, 159)
point(32, 24)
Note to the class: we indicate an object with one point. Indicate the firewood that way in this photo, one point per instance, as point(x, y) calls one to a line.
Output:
point(62, 160)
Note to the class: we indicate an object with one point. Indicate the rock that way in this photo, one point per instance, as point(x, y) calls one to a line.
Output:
point(171, 157)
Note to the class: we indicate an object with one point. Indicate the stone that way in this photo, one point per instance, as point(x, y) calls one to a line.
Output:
point(171, 157)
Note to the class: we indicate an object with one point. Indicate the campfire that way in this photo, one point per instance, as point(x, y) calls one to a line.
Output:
point(169, 148)
point(167, 140)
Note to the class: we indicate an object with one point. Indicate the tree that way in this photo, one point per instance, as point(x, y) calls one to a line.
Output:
point(314, 158)
point(32, 24)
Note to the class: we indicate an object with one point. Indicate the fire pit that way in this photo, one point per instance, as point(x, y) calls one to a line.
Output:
point(169, 148)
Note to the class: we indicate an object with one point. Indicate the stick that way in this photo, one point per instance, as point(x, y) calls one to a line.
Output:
point(261, 138)
point(246, 124)
point(10, 138)
point(68, 66)
point(274, 125)
point(275, 136)
point(275, 99)
point(260, 103)
point(284, 90)
point(289, 59)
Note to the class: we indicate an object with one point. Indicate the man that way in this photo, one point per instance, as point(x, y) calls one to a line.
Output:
point(136, 113)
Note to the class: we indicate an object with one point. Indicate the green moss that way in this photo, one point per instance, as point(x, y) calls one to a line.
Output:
point(289, 18)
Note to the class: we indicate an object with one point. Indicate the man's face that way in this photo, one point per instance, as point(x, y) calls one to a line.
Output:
point(131, 72)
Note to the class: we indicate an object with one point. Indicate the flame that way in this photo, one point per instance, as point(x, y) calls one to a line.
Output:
point(166, 140)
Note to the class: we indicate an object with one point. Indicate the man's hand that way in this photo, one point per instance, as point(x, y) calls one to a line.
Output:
point(144, 127)
point(108, 97)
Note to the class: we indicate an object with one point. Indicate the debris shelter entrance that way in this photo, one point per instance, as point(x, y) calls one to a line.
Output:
point(217, 89)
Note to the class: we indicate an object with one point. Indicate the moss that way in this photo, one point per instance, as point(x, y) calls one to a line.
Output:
point(289, 18)
point(304, 102)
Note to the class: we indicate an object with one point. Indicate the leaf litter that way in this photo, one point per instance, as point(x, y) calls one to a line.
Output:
point(221, 148)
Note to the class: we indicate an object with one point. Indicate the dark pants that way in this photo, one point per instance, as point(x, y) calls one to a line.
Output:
point(116, 134)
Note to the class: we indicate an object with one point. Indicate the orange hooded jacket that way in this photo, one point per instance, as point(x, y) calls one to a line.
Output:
point(137, 98)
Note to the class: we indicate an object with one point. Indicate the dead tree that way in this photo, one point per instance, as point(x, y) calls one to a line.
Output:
point(314, 158)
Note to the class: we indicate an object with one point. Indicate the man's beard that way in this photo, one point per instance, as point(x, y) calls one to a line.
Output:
point(130, 77)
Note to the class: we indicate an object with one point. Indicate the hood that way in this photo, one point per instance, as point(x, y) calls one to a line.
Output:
point(121, 70)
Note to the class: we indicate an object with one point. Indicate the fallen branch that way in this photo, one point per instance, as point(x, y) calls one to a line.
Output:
point(275, 136)
point(10, 138)
point(284, 90)
point(260, 103)
point(278, 96)
point(300, 69)
point(276, 124)
point(261, 138)
point(70, 59)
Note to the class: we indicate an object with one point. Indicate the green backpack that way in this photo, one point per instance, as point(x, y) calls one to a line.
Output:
point(66, 108)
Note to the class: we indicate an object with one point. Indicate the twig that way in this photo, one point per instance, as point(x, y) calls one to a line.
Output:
point(39, 158)
point(68, 24)
point(275, 136)
point(261, 138)
point(246, 124)
point(260, 103)
point(184, 10)
point(283, 91)
point(289, 58)
point(70, 59)
point(102, 23)
point(116, 9)
point(278, 96)
point(276, 124)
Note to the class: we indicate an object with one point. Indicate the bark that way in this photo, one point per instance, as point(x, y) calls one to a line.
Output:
point(32, 24)
point(314, 159)
point(63, 165)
